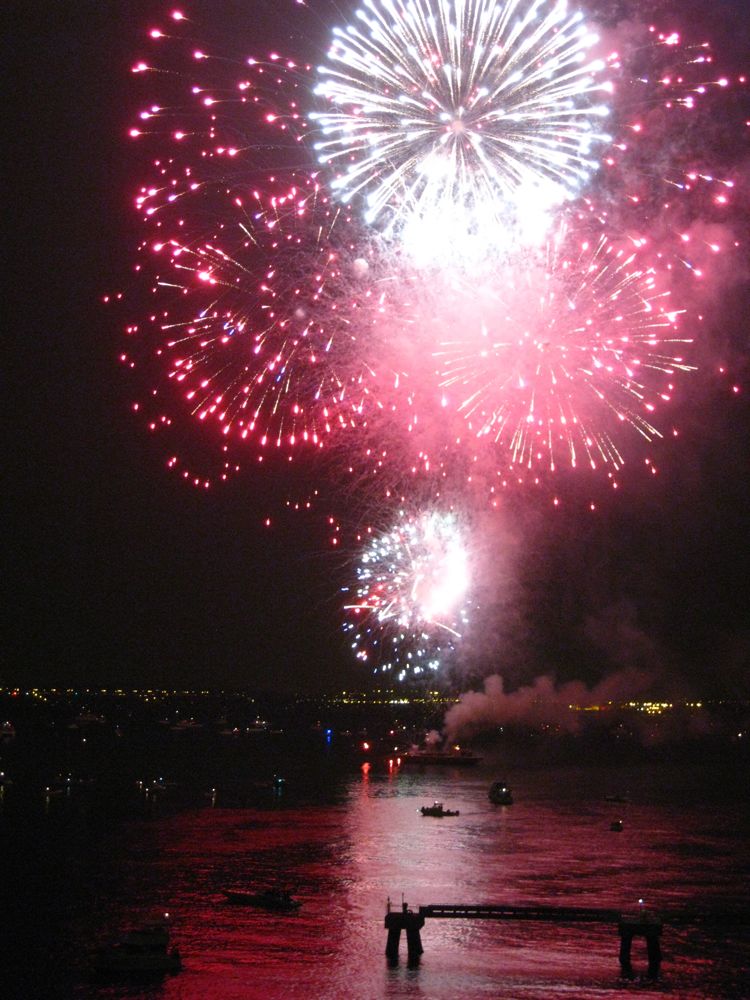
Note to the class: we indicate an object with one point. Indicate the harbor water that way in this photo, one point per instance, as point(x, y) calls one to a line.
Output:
point(80, 867)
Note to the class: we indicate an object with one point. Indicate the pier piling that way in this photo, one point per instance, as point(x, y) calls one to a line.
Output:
point(412, 923)
point(648, 927)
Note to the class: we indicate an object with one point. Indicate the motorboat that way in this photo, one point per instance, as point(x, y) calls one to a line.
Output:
point(616, 825)
point(436, 809)
point(142, 951)
point(267, 899)
point(500, 794)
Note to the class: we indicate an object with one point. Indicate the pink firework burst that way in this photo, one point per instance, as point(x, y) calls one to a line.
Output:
point(558, 359)
point(257, 315)
point(263, 288)
point(553, 358)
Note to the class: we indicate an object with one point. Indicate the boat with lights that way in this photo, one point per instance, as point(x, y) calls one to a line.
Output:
point(500, 794)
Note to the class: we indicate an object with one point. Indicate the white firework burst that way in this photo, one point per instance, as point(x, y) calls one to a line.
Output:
point(466, 111)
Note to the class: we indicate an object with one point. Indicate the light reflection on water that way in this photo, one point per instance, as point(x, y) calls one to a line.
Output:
point(343, 858)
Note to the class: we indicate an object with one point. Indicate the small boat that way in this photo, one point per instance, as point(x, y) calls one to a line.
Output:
point(70, 780)
point(500, 794)
point(620, 799)
point(268, 899)
point(186, 726)
point(616, 825)
point(141, 951)
point(88, 719)
point(436, 809)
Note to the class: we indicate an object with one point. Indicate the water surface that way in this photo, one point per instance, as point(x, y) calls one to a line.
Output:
point(79, 870)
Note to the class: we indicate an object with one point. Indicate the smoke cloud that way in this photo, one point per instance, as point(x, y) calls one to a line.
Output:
point(541, 702)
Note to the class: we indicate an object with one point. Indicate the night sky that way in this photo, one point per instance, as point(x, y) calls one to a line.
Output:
point(120, 574)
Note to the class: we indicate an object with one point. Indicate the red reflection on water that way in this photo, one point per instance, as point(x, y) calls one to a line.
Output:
point(343, 861)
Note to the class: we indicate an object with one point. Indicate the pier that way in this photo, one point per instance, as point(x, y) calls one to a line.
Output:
point(639, 924)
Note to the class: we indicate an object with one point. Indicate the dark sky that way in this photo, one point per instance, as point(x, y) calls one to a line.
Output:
point(117, 573)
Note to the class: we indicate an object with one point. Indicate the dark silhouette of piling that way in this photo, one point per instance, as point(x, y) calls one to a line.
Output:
point(404, 920)
point(648, 927)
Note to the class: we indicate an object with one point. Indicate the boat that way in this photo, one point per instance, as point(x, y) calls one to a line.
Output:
point(436, 809)
point(142, 951)
point(620, 799)
point(616, 825)
point(455, 756)
point(69, 780)
point(267, 899)
point(186, 726)
point(500, 794)
point(87, 719)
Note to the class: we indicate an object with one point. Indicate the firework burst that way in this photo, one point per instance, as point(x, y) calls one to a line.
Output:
point(551, 365)
point(445, 343)
point(259, 320)
point(409, 606)
point(460, 114)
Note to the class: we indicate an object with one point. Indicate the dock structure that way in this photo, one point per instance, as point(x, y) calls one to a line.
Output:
point(629, 925)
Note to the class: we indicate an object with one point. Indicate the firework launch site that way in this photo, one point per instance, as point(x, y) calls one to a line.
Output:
point(207, 742)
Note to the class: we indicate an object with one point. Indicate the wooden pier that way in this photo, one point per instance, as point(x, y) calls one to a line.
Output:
point(641, 923)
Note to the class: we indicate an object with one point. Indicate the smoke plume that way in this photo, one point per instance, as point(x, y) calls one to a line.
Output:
point(541, 702)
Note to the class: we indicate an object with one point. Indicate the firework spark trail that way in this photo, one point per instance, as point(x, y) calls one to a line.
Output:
point(222, 116)
point(264, 287)
point(410, 601)
point(659, 175)
point(468, 107)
